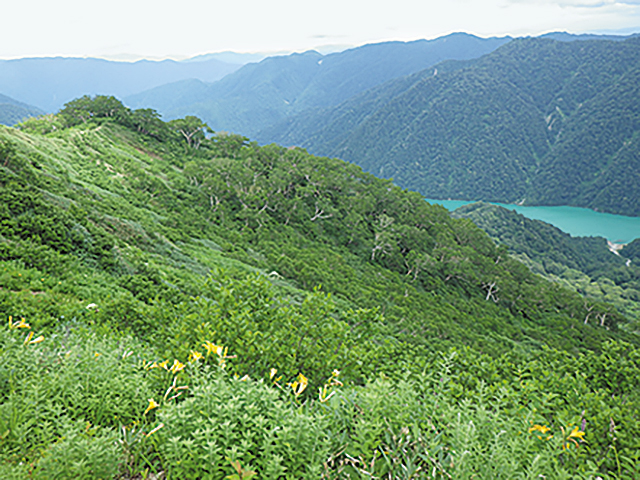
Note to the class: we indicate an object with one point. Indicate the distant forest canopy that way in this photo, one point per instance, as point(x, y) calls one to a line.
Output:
point(172, 295)
point(537, 121)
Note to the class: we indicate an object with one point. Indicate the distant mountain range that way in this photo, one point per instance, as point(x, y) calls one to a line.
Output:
point(49, 83)
point(259, 95)
point(13, 111)
point(537, 121)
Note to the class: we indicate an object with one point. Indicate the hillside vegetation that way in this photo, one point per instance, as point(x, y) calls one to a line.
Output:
point(208, 308)
point(537, 121)
point(585, 264)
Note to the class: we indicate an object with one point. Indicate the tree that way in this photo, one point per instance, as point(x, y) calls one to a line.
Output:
point(85, 108)
point(148, 122)
point(229, 144)
point(192, 129)
point(7, 150)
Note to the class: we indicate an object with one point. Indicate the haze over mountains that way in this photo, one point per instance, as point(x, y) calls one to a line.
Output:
point(48, 83)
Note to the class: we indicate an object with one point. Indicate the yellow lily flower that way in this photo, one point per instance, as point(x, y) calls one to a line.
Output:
point(152, 405)
point(176, 367)
point(36, 340)
point(20, 324)
point(298, 386)
point(576, 433)
point(540, 428)
point(211, 348)
point(194, 356)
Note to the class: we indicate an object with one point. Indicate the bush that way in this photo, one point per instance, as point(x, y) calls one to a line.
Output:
point(229, 420)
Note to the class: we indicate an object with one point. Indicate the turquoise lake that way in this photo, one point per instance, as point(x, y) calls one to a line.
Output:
point(578, 222)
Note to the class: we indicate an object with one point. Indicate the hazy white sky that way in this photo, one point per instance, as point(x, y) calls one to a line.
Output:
point(162, 28)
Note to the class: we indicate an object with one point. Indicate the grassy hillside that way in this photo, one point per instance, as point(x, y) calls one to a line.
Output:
point(214, 308)
point(539, 121)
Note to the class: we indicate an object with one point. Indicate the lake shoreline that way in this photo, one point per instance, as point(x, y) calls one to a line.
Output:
point(576, 221)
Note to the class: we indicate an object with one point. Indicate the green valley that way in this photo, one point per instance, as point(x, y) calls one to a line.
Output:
point(184, 304)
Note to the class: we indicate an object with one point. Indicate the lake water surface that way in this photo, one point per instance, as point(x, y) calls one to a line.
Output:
point(578, 222)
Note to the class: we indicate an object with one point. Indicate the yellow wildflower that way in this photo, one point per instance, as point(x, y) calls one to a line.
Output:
point(176, 367)
point(20, 324)
point(29, 337)
point(272, 373)
point(298, 386)
point(211, 348)
point(152, 405)
point(571, 438)
point(194, 356)
point(540, 428)
point(576, 433)
point(36, 340)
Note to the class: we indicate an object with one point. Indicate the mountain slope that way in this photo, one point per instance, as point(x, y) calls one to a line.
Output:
point(585, 264)
point(12, 111)
point(526, 122)
point(162, 306)
point(259, 95)
point(281, 203)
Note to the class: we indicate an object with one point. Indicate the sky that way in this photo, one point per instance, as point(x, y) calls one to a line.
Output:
point(155, 29)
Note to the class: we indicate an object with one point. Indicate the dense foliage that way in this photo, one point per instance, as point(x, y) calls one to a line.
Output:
point(216, 309)
point(586, 264)
point(537, 121)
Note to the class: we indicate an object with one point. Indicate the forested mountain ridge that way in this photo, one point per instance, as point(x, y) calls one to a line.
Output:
point(262, 94)
point(163, 306)
point(585, 264)
point(13, 111)
point(537, 120)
